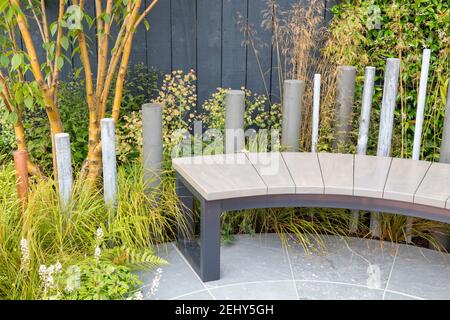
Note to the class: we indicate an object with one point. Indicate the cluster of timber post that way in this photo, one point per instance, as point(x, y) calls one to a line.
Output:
point(290, 137)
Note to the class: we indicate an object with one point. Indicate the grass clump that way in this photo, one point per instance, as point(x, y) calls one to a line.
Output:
point(102, 245)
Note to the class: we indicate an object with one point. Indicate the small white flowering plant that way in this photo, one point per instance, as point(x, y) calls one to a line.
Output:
point(107, 274)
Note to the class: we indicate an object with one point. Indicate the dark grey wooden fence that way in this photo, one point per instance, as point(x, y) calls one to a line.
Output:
point(204, 35)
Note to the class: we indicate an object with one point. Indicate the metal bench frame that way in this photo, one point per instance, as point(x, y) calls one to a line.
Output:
point(204, 255)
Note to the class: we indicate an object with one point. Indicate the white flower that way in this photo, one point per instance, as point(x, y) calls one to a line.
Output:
point(69, 288)
point(100, 234)
point(51, 269)
point(42, 270)
point(58, 267)
point(25, 254)
point(97, 253)
point(138, 296)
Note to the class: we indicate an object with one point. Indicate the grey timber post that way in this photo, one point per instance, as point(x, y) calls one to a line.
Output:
point(445, 158)
point(421, 99)
point(389, 101)
point(292, 114)
point(109, 161)
point(364, 124)
point(445, 144)
point(64, 168)
point(316, 113)
point(152, 144)
point(345, 92)
point(234, 121)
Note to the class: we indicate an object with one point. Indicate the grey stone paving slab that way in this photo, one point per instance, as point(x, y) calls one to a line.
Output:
point(434, 189)
point(257, 268)
point(350, 260)
point(398, 296)
point(259, 291)
point(221, 176)
point(337, 173)
point(370, 175)
point(311, 290)
point(177, 277)
point(404, 177)
point(305, 170)
point(244, 262)
point(273, 171)
point(421, 272)
point(262, 240)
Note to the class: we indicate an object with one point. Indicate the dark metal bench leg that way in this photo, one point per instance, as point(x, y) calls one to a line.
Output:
point(185, 232)
point(210, 240)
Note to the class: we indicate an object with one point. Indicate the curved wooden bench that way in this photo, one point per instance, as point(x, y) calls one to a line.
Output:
point(293, 179)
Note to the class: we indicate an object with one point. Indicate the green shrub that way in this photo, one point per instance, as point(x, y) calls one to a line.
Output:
point(44, 233)
point(406, 28)
point(141, 85)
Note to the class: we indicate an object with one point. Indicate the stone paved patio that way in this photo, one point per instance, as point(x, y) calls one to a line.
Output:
point(257, 267)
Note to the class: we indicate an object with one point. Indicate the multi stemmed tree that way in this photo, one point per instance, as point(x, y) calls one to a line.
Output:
point(71, 27)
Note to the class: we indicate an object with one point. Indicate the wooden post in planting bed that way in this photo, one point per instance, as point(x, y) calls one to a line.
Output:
point(316, 113)
point(419, 122)
point(444, 240)
point(20, 163)
point(390, 90)
point(109, 162)
point(64, 168)
point(445, 144)
point(234, 121)
point(345, 91)
point(364, 124)
point(152, 144)
point(292, 114)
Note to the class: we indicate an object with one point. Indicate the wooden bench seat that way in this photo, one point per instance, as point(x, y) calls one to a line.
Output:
point(293, 179)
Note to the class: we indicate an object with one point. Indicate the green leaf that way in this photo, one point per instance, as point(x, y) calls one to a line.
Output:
point(16, 61)
point(13, 118)
point(53, 28)
point(65, 43)
point(146, 24)
point(4, 60)
point(60, 63)
point(28, 102)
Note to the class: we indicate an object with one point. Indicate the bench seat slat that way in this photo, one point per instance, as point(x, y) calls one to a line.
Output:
point(305, 171)
point(273, 171)
point(218, 177)
point(404, 178)
point(435, 187)
point(337, 173)
point(370, 175)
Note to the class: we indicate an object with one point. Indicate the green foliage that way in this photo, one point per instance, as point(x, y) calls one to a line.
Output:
point(103, 280)
point(258, 114)
point(405, 29)
point(128, 234)
point(135, 259)
point(140, 87)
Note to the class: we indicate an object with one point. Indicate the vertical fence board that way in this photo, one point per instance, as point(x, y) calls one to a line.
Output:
point(159, 47)
point(209, 46)
point(233, 50)
point(139, 53)
point(259, 49)
point(198, 34)
point(277, 74)
point(184, 53)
